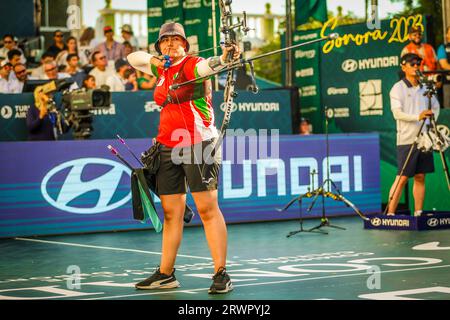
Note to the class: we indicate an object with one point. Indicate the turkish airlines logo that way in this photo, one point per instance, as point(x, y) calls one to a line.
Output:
point(6, 112)
point(350, 65)
point(76, 194)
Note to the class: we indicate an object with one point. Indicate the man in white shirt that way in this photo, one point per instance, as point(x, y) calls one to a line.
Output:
point(9, 43)
point(5, 81)
point(21, 76)
point(51, 73)
point(117, 81)
point(101, 72)
point(409, 107)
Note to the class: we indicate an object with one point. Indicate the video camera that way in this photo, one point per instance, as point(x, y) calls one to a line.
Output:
point(82, 99)
point(78, 105)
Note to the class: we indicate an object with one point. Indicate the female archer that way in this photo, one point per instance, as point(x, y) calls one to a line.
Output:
point(186, 132)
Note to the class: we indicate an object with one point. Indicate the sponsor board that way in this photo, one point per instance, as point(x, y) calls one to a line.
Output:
point(428, 221)
point(352, 65)
point(370, 98)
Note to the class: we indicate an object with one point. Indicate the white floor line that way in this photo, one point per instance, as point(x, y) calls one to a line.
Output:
point(107, 248)
point(265, 283)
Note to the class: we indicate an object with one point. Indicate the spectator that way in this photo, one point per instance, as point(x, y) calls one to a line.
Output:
point(38, 73)
point(51, 73)
point(100, 71)
point(58, 44)
point(73, 70)
point(72, 48)
point(87, 42)
point(128, 48)
point(10, 44)
point(89, 82)
point(112, 49)
point(116, 82)
point(443, 53)
point(130, 80)
point(21, 76)
point(305, 127)
point(14, 58)
point(423, 50)
point(5, 81)
point(127, 35)
point(145, 81)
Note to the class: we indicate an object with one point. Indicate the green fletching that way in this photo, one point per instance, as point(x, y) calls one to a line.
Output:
point(149, 210)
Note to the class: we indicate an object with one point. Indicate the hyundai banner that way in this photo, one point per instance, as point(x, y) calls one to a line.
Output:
point(78, 186)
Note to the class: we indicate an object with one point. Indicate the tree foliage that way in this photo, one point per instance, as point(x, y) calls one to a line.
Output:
point(431, 8)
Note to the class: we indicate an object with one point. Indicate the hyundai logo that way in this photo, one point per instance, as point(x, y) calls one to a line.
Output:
point(376, 222)
point(349, 65)
point(432, 222)
point(74, 187)
point(233, 108)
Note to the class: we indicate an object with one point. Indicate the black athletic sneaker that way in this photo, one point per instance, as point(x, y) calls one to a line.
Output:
point(221, 282)
point(159, 280)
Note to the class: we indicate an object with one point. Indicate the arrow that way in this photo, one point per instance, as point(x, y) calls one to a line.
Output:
point(430, 246)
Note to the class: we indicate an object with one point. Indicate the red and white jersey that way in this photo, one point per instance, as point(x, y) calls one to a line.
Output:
point(183, 123)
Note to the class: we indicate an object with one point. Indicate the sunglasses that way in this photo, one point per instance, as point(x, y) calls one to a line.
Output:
point(59, 35)
point(414, 64)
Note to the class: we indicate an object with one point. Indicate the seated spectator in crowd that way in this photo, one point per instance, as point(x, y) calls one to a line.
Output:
point(87, 42)
point(100, 71)
point(51, 73)
point(305, 127)
point(116, 82)
point(145, 81)
point(73, 70)
point(127, 35)
point(14, 58)
point(58, 44)
point(443, 53)
point(38, 73)
point(21, 76)
point(89, 82)
point(130, 80)
point(9, 44)
point(128, 48)
point(72, 48)
point(5, 81)
point(110, 48)
point(423, 50)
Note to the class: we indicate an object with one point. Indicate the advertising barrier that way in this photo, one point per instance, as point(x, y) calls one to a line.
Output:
point(136, 115)
point(78, 186)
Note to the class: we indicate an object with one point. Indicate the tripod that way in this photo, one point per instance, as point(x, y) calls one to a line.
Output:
point(438, 143)
point(320, 191)
point(308, 195)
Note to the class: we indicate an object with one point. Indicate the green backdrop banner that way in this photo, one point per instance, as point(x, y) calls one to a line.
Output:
point(357, 72)
point(195, 15)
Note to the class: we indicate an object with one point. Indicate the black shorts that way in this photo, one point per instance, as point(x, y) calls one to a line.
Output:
point(181, 168)
point(419, 162)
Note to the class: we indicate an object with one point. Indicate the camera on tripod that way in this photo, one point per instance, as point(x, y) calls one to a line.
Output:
point(429, 81)
point(78, 105)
